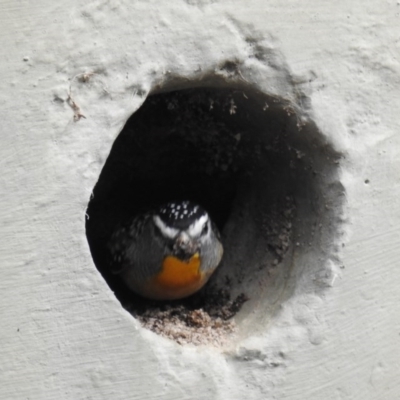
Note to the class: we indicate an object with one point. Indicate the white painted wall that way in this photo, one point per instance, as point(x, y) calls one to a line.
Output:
point(63, 334)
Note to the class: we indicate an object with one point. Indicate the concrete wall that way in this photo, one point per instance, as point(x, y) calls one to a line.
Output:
point(63, 333)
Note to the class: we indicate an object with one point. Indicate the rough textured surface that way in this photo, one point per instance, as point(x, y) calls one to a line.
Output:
point(335, 333)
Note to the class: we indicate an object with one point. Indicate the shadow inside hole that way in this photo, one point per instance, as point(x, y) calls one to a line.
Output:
point(241, 155)
point(173, 148)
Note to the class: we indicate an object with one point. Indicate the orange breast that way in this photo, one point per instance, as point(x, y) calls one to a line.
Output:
point(176, 279)
point(176, 273)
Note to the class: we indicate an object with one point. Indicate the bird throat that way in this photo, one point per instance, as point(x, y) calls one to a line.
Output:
point(177, 272)
point(178, 278)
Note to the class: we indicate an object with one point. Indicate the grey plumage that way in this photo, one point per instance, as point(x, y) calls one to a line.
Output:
point(138, 249)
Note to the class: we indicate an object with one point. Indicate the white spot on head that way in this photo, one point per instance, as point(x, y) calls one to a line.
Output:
point(164, 229)
point(197, 226)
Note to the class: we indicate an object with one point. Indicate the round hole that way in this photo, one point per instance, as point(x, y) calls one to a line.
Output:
point(269, 181)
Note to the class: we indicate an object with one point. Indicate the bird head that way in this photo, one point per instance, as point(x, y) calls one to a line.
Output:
point(185, 225)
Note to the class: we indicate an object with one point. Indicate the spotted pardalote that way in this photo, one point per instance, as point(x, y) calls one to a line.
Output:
point(168, 253)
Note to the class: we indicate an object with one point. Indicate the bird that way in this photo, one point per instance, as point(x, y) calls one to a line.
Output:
point(167, 253)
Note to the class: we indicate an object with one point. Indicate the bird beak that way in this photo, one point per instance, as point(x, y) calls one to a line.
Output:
point(184, 245)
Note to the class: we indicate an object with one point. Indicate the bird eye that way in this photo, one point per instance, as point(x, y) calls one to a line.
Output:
point(204, 231)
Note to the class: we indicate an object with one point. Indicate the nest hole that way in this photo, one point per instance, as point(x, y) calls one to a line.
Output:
point(269, 183)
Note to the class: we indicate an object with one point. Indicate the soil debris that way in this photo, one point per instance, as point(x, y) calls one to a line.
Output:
point(204, 318)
